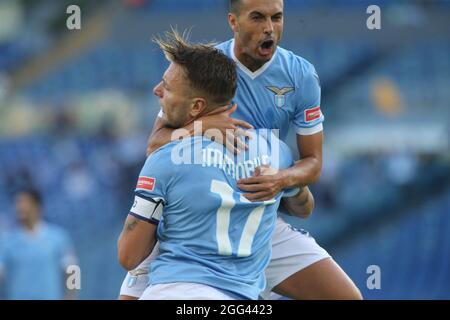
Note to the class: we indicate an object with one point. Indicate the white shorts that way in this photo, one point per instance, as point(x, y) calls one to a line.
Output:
point(136, 281)
point(292, 251)
point(183, 291)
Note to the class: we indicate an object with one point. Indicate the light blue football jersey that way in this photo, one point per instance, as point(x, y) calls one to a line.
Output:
point(283, 92)
point(33, 263)
point(208, 232)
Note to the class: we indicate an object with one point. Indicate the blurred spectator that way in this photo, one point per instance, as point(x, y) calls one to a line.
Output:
point(35, 255)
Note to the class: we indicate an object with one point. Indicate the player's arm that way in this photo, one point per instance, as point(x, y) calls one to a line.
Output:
point(307, 170)
point(159, 136)
point(220, 119)
point(304, 172)
point(300, 205)
point(138, 236)
point(136, 242)
point(308, 120)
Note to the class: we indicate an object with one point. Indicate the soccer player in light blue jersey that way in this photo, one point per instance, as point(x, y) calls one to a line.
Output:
point(276, 89)
point(213, 242)
point(34, 256)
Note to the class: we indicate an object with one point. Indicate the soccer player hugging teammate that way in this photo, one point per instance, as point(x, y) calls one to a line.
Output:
point(276, 89)
point(213, 242)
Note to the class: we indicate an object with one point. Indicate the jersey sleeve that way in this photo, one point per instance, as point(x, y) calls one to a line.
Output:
point(151, 188)
point(308, 117)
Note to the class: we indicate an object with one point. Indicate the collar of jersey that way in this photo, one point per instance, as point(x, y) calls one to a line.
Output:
point(251, 74)
point(38, 228)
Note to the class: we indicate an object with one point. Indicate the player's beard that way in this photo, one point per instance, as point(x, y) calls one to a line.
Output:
point(172, 124)
point(175, 121)
point(252, 58)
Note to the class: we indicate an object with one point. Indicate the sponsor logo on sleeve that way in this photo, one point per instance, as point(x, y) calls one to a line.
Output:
point(312, 114)
point(146, 183)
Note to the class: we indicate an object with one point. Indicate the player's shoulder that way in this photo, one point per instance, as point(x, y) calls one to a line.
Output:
point(225, 46)
point(55, 232)
point(165, 152)
point(175, 153)
point(53, 229)
point(178, 144)
point(300, 67)
point(162, 151)
point(6, 238)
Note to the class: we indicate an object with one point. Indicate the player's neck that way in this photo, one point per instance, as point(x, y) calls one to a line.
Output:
point(250, 63)
point(31, 225)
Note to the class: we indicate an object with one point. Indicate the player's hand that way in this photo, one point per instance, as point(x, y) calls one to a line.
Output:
point(264, 185)
point(226, 130)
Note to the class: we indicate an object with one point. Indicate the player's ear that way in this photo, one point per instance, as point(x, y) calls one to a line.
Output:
point(198, 107)
point(232, 21)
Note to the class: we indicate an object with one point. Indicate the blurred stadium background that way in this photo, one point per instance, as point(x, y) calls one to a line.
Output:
point(76, 108)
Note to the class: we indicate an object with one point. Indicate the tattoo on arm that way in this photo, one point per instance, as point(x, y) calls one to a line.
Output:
point(131, 225)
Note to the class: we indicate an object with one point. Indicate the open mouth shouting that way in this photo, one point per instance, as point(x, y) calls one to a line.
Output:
point(266, 48)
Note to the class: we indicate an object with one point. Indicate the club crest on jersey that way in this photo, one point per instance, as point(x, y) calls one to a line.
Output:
point(280, 95)
point(133, 276)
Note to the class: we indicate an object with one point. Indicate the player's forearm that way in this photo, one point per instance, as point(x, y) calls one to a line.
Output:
point(218, 119)
point(160, 136)
point(131, 256)
point(307, 170)
point(136, 242)
point(304, 172)
point(158, 139)
point(163, 135)
point(301, 205)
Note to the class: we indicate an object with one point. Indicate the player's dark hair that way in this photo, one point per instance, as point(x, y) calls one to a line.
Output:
point(208, 70)
point(235, 6)
point(33, 194)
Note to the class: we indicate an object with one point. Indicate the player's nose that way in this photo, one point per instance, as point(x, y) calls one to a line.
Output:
point(268, 27)
point(157, 91)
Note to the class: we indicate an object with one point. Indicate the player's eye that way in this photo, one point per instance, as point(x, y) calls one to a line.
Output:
point(277, 18)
